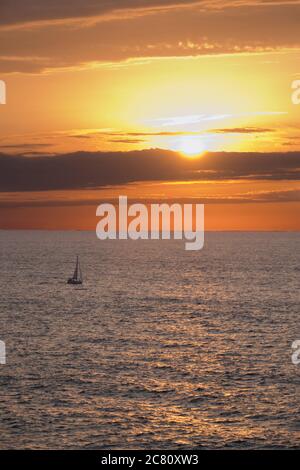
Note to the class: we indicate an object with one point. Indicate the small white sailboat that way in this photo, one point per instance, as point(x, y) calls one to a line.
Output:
point(77, 276)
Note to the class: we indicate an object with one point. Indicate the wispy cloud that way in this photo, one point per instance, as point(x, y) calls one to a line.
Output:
point(125, 135)
point(22, 146)
point(91, 197)
point(22, 12)
point(115, 33)
point(198, 118)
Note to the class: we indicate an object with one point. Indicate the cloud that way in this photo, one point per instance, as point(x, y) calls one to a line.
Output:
point(81, 136)
point(241, 130)
point(85, 170)
point(201, 29)
point(58, 199)
point(31, 11)
point(227, 130)
point(126, 141)
point(198, 118)
point(24, 146)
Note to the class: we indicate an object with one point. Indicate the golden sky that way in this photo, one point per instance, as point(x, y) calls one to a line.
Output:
point(157, 100)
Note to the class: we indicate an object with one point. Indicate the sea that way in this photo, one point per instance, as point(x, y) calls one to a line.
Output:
point(160, 348)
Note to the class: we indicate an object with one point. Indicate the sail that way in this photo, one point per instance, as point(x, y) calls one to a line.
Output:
point(75, 275)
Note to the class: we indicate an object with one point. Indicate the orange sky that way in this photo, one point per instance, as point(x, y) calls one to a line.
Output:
point(192, 77)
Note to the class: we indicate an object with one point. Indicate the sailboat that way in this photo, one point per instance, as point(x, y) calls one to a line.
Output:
point(77, 276)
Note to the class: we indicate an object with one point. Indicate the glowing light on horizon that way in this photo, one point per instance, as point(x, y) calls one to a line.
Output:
point(189, 146)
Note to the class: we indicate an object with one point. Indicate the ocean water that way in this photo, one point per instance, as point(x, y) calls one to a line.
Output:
point(159, 349)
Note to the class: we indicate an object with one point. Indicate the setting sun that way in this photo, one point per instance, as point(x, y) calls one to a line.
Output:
point(190, 146)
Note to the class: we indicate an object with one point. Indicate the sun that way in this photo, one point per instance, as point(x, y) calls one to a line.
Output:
point(189, 146)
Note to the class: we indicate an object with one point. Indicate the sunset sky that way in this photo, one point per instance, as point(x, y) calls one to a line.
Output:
point(158, 100)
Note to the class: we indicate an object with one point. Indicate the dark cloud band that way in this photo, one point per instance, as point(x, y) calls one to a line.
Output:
point(84, 170)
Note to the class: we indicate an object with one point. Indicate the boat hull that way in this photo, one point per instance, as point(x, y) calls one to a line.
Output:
point(74, 282)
